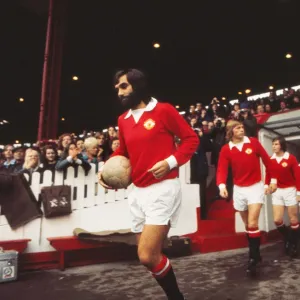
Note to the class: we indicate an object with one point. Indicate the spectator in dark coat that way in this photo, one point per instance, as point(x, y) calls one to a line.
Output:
point(72, 157)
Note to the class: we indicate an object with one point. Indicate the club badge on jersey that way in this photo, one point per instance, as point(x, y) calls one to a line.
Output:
point(149, 124)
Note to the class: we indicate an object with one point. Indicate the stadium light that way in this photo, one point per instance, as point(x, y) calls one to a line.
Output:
point(248, 91)
point(156, 45)
point(271, 87)
point(17, 142)
point(288, 55)
point(21, 99)
point(223, 98)
point(177, 106)
point(75, 78)
point(240, 93)
point(63, 119)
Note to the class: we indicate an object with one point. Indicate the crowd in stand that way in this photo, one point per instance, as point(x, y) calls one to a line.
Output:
point(68, 150)
point(93, 147)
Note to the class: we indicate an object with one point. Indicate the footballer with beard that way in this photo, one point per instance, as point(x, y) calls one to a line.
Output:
point(147, 133)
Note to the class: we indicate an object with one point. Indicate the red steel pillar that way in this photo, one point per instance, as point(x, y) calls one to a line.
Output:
point(49, 106)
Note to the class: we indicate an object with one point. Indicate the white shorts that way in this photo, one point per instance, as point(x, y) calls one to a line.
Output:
point(157, 204)
point(246, 195)
point(285, 197)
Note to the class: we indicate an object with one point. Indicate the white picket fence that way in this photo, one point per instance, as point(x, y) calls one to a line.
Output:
point(93, 208)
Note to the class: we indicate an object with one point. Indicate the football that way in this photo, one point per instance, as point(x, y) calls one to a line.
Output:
point(116, 172)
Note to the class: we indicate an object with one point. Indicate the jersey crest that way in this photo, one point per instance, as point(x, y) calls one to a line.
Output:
point(284, 164)
point(248, 151)
point(149, 124)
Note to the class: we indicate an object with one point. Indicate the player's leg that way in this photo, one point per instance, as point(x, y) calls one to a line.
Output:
point(244, 216)
point(278, 213)
point(240, 204)
point(161, 206)
point(150, 255)
point(294, 230)
point(254, 237)
point(290, 201)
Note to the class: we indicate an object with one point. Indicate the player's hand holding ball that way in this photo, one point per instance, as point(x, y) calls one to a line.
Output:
point(160, 169)
point(224, 193)
point(116, 173)
point(100, 180)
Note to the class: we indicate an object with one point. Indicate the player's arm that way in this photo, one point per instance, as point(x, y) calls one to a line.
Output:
point(267, 181)
point(268, 164)
point(177, 126)
point(222, 171)
point(296, 173)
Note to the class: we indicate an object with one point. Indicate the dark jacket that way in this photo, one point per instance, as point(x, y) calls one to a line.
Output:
point(64, 163)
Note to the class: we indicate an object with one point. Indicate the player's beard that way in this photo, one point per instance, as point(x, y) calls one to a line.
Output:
point(130, 101)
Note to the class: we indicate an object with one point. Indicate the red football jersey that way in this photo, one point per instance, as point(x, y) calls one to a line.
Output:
point(298, 180)
point(244, 160)
point(286, 170)
point(151, 139)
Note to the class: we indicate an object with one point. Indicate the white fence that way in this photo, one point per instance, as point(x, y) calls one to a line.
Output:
point(94, 209)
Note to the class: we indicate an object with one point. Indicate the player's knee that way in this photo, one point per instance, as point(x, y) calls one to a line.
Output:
point(146, 258)
point(294, 219)
point(252, 223)
point(278, 221)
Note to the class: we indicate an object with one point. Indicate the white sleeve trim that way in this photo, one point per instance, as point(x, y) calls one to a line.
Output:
point(273, 181)
point(172, 162)
point(222, 186)
point(298, 193)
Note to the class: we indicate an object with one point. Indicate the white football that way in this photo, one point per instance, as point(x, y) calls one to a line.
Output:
point(116, 172)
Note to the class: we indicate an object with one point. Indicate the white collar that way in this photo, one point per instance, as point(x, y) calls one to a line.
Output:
point(150, 106)
point(245, 140)
point(286, 155)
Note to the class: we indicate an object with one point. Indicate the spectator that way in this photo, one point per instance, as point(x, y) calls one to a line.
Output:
point(80, 145)
point(72, 157)
point(49, 158)
point(249, 122)
point(268, 109)
point(19, 154)
point(260, 109)
point(192, 114)
point(32, 163)
point(296, 102)
point(111, 132)
point(194, 123)
point(9, 161)
point(234, 115)
point(115, 144)
point(92, 154)
point(199, 171)
point(103, 147)
point(63, 141)
point(283, 106)
point(204, 117)
point(199, 107)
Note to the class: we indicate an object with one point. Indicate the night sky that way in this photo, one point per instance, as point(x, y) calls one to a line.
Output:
point(208, 48)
